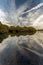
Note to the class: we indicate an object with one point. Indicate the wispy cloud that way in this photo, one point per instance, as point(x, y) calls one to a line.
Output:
point(34, 8)
point(14, 16)
point(38, 23)
point(2, 15)
point(15, 13)
point(33, 16)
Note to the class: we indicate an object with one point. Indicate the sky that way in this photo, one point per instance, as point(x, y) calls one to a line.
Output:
point(22, 12)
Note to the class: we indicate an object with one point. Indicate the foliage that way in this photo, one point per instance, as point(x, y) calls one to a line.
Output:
point(3, 28)
point(17, 29)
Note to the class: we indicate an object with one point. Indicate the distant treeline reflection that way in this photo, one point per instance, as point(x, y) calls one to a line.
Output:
point(5, 31)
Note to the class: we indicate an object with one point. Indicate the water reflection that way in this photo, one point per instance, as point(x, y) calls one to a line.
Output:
point(3, 36)
point(22, 50)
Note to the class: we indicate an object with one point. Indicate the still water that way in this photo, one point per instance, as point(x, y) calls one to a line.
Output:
point(22, 50)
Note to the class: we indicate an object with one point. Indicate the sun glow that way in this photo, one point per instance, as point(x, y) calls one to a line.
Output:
point(39, 22)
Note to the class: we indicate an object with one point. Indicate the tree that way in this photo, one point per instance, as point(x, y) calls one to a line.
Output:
point(3, 28)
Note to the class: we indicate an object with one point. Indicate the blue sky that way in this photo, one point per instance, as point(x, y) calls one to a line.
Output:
point(5, 4)
point(10, 10)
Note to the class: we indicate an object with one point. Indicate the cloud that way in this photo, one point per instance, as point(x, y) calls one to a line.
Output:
point(2, 15)
point(39, 22)
point(34, 8)
point(14, 13)
point(14, 16)
point(11, 17)
point(33, 16)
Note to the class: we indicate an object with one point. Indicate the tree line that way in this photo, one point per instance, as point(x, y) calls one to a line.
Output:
point(17, 29)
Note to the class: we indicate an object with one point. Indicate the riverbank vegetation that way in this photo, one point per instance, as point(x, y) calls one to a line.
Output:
point(16, 30)
point(5, 31)
point(3, 28)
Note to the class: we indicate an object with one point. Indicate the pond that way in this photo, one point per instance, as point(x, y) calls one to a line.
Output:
point(22, 49)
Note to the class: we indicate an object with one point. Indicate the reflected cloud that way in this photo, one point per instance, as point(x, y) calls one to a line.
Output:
point(13, 48)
